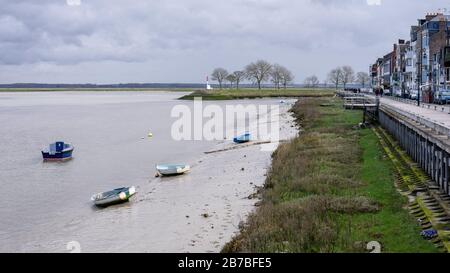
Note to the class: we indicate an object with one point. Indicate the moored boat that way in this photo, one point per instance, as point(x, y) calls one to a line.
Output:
point(242, 139)
point(58, 151)
point(172, 169)
point(114, 197)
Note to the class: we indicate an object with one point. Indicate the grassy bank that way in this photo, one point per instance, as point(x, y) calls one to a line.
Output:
point(230, 94)
point(330, 190)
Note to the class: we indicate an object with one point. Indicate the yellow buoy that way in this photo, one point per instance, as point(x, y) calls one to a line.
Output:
point(150, 135)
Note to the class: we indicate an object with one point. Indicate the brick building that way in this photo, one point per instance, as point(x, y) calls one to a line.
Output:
point(422, 63)
point(439, 50)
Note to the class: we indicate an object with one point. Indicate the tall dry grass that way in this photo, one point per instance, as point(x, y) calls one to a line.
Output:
point(313, 179)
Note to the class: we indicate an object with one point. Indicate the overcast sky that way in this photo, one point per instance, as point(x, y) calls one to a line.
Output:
point(121, 41)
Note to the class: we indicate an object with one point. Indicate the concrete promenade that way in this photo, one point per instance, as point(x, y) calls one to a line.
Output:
point(427, 111)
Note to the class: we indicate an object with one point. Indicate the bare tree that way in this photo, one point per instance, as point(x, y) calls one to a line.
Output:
point(312, 81)
point(286, 77)
point(348, 75)
point(258, 72)
point(315, 81)
point(239, 76)
point(276, 75)
point(335, 76)
point(307, 82)
point(231, 79)
point(220, 75)
point(362, 78)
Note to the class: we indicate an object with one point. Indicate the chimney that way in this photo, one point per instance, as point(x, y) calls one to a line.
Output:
point(430, 16)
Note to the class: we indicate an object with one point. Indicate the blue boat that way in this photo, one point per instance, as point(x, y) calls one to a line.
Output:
point(242, 139)
point(58, 151)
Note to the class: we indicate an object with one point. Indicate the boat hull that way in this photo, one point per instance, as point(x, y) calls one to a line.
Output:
point(60, 156)
point(242, 139)
point(172, 170)
point(110, 202)
point(237, 141)
point(115, 197)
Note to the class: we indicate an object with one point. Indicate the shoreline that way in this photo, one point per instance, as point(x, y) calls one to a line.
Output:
point(330, 190)
point(251, 93)
point(216, 94)
point(167, 214)
point(238, 198)
point(221, 190)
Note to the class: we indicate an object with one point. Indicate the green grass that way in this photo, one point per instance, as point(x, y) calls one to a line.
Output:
point(392, 226)
point(329, 190)
point(249, 93)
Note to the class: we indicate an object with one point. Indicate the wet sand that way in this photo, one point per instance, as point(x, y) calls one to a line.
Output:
point(210, 202)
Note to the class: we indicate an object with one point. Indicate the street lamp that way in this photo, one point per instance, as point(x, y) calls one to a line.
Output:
point(419, 82)
point(420, 68)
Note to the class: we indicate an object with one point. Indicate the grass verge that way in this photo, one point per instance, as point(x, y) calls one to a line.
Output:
point(232, 94)
point(329, 190)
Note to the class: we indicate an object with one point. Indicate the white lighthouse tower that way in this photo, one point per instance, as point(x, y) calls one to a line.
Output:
point(208, 87)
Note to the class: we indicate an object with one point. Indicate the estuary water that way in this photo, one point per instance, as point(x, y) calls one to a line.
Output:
point(45, 206)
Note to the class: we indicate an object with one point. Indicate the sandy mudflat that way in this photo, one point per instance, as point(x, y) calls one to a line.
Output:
point(207, 205)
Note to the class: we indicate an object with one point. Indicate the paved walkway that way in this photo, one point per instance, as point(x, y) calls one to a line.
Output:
point(436, 116)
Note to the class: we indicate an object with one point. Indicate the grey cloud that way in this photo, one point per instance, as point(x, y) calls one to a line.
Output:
point(166, 33)
point(112, 30)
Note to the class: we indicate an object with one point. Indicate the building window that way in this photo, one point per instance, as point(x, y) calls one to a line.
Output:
point(425, 41)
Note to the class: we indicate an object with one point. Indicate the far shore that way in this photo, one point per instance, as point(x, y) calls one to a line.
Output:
point(216, 94)
point(5, 90)
point(253, 93)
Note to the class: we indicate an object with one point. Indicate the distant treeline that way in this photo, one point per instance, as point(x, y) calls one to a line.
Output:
point(142, 86)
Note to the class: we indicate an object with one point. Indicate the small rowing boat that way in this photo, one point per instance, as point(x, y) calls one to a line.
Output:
point(242, 139)
point(58, 151)
point(114, 197)
point(172, 169)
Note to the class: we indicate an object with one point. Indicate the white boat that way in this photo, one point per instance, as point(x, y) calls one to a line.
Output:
point(172, 169)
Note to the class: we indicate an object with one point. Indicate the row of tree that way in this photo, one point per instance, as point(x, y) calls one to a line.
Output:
point(262, 71)
point(345, 75)
point(340, 76)
point(311, 81)
point(258, 73)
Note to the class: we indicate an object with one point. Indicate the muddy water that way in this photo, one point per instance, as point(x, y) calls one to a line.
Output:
point(45, 206)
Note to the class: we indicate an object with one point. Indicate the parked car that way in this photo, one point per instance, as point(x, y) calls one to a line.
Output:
point(354, 90)
point(413, 94)
point(442, 97)
point(366, 90)
point(397, 92)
